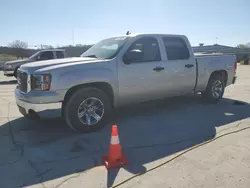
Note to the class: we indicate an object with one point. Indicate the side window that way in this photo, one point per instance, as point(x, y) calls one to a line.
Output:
point(176, 48)
point(46, 55)
point(149, 48)
point(59, 54)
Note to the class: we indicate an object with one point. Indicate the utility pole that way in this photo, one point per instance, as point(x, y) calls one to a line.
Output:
point(73, 37)
point(216, 40)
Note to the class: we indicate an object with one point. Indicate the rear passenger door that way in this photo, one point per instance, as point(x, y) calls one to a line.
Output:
point(180, 66)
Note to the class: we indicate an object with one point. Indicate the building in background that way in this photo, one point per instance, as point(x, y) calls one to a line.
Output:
point(241, 53)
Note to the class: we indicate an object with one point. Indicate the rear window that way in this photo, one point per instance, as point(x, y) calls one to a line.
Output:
point(176, 48)
point(59, 54)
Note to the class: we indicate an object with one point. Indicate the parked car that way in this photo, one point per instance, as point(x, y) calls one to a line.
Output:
point(120, 71)
point(10, 67)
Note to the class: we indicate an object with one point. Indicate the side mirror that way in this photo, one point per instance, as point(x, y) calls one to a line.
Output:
point(132, 56)
point(38, 58)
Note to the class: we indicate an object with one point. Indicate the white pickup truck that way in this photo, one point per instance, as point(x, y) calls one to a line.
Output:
point(10, 67)
point(119, 71)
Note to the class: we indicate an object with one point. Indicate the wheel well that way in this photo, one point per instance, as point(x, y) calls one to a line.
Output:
point(222, 73)
point(15, 71)
point(104, 86)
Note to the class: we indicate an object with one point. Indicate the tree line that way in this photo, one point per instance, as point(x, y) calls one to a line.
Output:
point(247, 45)
point(20, 49)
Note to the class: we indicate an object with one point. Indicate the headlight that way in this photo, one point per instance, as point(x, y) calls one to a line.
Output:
point(40, 82)
point(8, 66)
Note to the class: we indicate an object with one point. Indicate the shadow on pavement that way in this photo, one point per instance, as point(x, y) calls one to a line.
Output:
point(8, 82)
point(148, 132)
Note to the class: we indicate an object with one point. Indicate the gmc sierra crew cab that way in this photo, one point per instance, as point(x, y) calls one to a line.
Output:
point(120, 71)
point(10, 67)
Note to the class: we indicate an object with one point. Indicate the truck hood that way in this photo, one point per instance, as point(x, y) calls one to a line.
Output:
point(31, 67)
point(17, 62)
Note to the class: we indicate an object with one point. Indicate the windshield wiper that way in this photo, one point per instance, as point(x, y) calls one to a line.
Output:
point(94, 56)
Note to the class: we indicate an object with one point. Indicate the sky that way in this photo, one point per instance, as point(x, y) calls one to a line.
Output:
point(67, 22)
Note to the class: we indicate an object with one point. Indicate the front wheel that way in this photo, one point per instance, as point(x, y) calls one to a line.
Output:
point(86, 109)
point(215, 89)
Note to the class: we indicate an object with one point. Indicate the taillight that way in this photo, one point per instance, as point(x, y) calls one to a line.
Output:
point(235, 65)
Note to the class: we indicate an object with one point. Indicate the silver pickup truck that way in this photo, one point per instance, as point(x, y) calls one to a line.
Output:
point(10, 67)
point(119, 71)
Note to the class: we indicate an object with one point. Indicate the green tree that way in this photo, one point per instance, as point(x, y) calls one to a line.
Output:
point(242, 46)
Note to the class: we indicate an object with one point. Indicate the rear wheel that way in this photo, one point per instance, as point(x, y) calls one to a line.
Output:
point(215, 89)
point(86, 109)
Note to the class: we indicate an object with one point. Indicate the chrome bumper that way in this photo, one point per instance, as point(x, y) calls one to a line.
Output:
point(47, 110)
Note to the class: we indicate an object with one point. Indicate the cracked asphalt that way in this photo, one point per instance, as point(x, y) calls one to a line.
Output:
point(47, 154)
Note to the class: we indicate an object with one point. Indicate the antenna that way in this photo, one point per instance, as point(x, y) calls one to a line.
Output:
point(128, 33)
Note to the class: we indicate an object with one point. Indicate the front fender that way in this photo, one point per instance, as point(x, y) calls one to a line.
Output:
point(71, 78)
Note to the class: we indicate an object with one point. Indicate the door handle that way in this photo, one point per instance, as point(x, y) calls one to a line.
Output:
point(157, 69)
point(189, 65)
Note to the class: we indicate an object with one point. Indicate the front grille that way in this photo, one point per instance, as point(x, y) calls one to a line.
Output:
point(22, 80)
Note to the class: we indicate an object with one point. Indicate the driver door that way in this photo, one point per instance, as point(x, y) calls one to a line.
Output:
point(141, 80)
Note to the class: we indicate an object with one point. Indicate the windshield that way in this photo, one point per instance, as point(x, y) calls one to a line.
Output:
point(34, 55)
point(106, 49)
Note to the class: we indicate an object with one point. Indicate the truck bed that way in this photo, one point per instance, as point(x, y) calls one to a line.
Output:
point(209, 63)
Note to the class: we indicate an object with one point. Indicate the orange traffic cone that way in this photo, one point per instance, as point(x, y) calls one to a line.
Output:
point(115, 157)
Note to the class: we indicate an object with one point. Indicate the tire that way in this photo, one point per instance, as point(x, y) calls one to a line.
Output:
point(15, 72)
point(72, 106)
point(209, 94)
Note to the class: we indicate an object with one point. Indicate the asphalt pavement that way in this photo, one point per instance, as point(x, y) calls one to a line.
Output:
point(159, 138)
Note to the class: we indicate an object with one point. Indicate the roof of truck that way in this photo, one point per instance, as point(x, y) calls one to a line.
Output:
point(44, 50)
point(152, 34)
